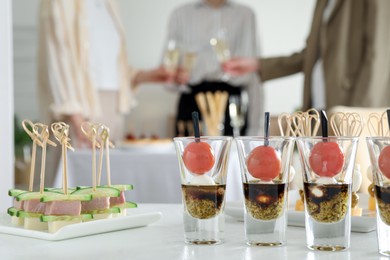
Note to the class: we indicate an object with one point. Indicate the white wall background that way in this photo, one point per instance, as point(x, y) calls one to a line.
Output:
point(282, 25)
point(6, 105)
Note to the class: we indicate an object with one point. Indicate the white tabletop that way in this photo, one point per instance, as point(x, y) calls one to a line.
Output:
point(164, 240)
point(153, 171)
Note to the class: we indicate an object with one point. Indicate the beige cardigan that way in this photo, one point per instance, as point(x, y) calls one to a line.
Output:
point(65, 84)
point(348, 45)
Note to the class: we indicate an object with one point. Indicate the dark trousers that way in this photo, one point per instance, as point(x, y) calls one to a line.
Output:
point(187, 105)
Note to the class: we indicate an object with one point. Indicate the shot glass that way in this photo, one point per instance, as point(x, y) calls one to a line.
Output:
point(327, 168)
point(265, 164)
point(203, 166)
point(379, 150)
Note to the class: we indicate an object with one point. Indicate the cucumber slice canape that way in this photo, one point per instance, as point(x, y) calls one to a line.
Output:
point(99, 192)
point(66, 197)
point(34, 195)
point(15, 192)
point(12, 211)
point(121, 187)
point(70, 190)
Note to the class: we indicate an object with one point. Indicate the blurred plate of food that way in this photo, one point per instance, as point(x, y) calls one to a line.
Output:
point(153, 143)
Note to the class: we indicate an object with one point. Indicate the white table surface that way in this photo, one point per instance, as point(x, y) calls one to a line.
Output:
point(153, 171)
point(164, 240)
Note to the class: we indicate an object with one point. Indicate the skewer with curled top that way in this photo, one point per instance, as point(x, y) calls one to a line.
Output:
point(105, 144)
point(43, 135)
point(299, 124)
point(61, 133)
point(378, 124)
point(98, 134)
point(285, 122)
point(39, 133)
point(347, 124)
point(350, 125)
point(306, 123)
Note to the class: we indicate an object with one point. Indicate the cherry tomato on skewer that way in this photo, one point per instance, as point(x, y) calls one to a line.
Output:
point(384, 161)
point(326, 159)
point(263, 163)
point(198, 157)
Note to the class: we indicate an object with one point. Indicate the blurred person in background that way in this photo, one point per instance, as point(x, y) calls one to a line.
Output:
point(211, 31)
point(84, 73)
point(345, 60)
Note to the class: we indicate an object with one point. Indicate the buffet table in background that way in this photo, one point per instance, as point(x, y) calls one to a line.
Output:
point(153, 170)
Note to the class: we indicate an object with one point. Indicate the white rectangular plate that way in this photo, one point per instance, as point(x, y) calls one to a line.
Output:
point(132, 220)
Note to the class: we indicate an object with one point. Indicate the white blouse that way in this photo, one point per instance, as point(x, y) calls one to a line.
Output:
point(104, 45)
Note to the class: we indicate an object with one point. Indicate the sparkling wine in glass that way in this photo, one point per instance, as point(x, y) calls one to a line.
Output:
point(222, 50)
point(238, 106)
point(188, 62)
point(171, 57)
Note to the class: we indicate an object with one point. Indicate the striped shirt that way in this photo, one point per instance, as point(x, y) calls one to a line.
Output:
point(193, 25)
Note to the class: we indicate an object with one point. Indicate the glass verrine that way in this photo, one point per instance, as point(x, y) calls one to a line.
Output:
point(203, 166)
point(265, 164)
point(379, 150)
point(327, 168)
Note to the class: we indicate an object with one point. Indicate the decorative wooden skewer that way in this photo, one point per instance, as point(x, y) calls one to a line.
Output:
point(378, 124)
point(350, 125)
point(44, 140)
point(284, 121)
point(299, 124)
point(105, 144)
point(303, 122)
point(61, 133)
point(34, 136)
point(347, 124)
point(90, 131)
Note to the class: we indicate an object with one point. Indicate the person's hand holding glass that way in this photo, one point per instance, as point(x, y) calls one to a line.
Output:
point(239, 66)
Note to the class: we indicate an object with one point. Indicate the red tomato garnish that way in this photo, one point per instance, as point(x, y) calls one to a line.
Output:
point(384, 161)
point(263, 163)
point(326, 159)
point(198, 157)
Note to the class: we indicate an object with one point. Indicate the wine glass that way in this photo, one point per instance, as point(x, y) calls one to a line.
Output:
point(238, 106)
point(171, 57)
point(188, 62)
point(222, 50)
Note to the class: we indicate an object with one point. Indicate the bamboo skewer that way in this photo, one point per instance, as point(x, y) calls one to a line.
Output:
point(347, 124)
point(98, 134)
point(61, 133)
point(285, 118)
point(44, 136)
point(378, 124)
point(105, 137)
point(90, 131)
point(303, 122)
point(33, 135)
point(40, 139)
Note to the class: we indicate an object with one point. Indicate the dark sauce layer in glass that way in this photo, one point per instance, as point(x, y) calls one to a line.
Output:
point(327, 202)
point(264, 200)
point(382, 195)
point(203, 201)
